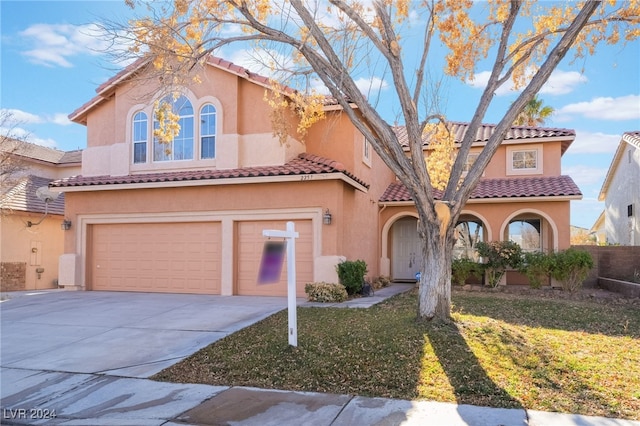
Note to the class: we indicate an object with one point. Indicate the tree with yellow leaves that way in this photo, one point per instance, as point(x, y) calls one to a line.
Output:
point(333, 40)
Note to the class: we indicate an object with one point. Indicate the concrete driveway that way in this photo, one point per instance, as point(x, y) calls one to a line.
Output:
point(121, 334)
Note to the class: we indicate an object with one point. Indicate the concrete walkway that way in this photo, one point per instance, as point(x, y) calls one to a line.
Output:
point(83, 358)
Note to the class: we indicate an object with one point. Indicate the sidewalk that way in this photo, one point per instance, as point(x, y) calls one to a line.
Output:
point(50, 398)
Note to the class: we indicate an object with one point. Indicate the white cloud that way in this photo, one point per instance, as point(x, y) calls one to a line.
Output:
point(264, 62)
point(563, 82)
point(55, 44)
point(559, 83)
point(371, 85)
point(14, 117)
point(25, 135)
point(605, 108)
point(60, 118)
point(594, 143)
point(585, 175)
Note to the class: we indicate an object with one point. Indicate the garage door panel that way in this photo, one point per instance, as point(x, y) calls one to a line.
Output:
point(158, 257)
point(250, 243)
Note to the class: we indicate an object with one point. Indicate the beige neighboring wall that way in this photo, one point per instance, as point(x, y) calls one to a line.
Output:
point(39, 246)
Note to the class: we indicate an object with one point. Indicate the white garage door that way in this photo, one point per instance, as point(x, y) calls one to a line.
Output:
point(250, 244)
point(156, 257)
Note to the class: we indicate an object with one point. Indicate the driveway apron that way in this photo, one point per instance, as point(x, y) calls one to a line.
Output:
point(121, 334)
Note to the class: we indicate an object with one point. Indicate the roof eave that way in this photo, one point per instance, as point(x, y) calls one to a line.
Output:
point(495, 200)
point(313, 177)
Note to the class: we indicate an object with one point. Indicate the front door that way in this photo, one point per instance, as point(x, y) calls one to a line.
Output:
point(406, 249)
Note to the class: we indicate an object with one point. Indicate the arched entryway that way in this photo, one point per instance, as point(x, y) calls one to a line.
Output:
point(532, 229)
point(470, 229)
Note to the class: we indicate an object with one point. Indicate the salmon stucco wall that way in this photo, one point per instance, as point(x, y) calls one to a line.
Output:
point(266, 200)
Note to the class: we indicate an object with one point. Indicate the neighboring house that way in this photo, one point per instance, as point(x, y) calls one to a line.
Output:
point(32, 242)
point(190, 219)
point(621, 193)
point(598, 230)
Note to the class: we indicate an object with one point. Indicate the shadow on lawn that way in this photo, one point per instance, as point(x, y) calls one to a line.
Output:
point(470, 382)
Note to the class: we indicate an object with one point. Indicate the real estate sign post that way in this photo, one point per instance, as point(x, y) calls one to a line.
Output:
point(290, 236)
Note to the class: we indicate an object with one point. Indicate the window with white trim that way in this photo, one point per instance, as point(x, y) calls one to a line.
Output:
point(523, 161)
point(140, 134)
point(181, 148)
point(471, 159)
point(208, 131)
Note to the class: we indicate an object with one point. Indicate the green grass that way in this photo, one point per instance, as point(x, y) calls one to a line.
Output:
point(501, 351)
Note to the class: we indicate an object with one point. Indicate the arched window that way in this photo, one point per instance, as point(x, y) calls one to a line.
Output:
point(468, 233)
point(208, 131)
point(527, 233)
point(181, 148)
point(139, 137)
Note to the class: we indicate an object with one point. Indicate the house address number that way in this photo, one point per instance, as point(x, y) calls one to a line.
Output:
point(306, 177)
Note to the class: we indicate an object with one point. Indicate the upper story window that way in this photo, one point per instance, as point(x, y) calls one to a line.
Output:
point(471, 159)
point(181, 148)
point(522, 160)
point(139, 137)
point(208, 131)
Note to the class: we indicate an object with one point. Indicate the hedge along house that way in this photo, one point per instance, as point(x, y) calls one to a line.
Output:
point(522, 196)
point(189, 219)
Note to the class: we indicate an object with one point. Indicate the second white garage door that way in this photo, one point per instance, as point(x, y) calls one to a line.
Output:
point(156, 257)
point(250, 243)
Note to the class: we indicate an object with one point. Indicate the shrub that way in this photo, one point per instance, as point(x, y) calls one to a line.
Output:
point(325, 292)
point(498, 256)
point(351, 274)
point(380, 282)
point(536, 266)
point(463, 268)
point(570, 267)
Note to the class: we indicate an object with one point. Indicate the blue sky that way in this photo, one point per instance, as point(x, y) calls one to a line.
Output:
point(51, 65)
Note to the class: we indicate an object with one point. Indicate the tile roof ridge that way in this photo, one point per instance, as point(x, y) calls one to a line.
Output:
point(323, 161)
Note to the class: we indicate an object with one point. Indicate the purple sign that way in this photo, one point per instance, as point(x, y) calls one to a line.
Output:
point(272, 261)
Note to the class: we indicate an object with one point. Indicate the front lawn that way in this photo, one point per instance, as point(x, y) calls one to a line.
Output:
point(502, 351)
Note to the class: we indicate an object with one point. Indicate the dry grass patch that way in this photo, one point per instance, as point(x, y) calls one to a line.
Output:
point(501, 351)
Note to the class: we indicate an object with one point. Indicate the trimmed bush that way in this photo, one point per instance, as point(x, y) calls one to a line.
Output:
point(325, 292)
point(570, 267)
point(498, 256)
point(463, 268)
point(351, 274)
point(536, 266)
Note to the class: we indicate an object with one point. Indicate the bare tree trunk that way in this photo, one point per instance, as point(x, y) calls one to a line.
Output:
point(434, 299)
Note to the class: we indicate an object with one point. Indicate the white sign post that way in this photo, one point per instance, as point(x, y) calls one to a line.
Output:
point(290, 235)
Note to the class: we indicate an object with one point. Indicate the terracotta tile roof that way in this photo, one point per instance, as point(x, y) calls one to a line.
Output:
point(520, 187)
point(486, 130)
point(304, 164)
point(22, 197)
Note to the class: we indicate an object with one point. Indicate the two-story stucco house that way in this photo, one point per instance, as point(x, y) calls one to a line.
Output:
point(621, 193)
point(190, 218)
point(32, 236)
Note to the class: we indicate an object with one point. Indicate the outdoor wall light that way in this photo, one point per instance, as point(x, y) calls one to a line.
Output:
point(326, 218)
point(65, 225)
